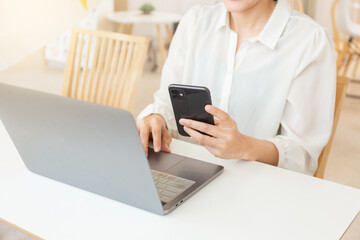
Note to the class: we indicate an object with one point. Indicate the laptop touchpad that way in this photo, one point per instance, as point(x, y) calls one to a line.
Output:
point(162, 161)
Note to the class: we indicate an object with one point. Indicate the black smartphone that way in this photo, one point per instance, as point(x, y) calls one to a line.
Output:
point(189, 102)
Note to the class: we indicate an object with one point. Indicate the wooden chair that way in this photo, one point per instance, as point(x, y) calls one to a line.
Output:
point(13, 231)
point(104, 67)
point(342, 45)
point(347, 47)
point(341, 85)
point(297, 5)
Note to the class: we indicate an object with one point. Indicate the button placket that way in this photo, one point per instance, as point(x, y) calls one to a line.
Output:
point(240, 57)
point(230, 72)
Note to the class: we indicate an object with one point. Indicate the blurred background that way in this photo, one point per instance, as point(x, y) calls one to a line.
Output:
point(45, 64)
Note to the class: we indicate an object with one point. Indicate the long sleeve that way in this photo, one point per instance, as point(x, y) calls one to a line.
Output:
point(172, 72)
point(307, 120)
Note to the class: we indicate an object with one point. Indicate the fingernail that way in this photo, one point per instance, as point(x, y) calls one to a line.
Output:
point(207, 107)
point(185, 128)
point(157, 149)
point(181, 121)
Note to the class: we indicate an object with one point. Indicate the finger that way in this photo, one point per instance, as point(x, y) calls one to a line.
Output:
point(200, 126)
point(200, 138)
point(144, 137)
point(166, 140)
point(156, 135)
point(216, 122)
point(217, 112)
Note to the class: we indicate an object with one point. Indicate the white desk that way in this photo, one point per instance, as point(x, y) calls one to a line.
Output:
point(249, 200)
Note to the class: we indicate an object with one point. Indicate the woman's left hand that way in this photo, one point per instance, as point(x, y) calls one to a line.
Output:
point(225, 141)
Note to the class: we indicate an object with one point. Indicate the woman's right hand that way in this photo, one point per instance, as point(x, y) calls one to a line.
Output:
point(154, 126)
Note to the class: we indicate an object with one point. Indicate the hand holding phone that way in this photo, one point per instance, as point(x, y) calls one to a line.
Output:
point(189, 102)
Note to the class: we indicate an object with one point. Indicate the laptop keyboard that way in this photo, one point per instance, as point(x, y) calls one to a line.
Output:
point(170, 186)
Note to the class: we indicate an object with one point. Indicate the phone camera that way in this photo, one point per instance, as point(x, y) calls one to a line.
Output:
point(178, 94)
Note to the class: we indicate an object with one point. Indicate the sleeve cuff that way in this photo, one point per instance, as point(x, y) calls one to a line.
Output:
point(169, 119)
point(281, 149)
point(144, 113)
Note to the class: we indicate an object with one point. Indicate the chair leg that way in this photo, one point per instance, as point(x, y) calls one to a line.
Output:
point(342, 56)
point(161, 45)
point(169, 33)
point(130, 29)
point(121, 27)
point(356, 66)
point(347, 64)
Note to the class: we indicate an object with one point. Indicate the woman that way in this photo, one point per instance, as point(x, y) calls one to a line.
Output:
point(272, 76)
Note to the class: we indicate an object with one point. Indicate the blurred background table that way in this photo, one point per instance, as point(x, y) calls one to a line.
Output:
point(127, 19)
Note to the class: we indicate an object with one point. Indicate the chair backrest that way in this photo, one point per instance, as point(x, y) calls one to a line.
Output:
point(297, 5)
point(334, 25)
point(341, 40)
point(104, 67)
point(341, 86)
point(346, 21)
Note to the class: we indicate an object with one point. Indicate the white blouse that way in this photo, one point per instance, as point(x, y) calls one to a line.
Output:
point(279, 86)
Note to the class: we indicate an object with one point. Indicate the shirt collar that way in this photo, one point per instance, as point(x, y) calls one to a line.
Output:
point(274, 27)
point(223, 18)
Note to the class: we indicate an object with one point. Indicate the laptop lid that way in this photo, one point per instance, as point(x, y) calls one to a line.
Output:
point(86, 145)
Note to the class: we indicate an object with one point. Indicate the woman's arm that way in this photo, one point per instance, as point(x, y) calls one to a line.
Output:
point(225, 141)
point(307, 121)
point(306, 124)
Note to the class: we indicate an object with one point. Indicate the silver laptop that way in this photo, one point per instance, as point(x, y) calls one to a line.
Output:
point(97, 148)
